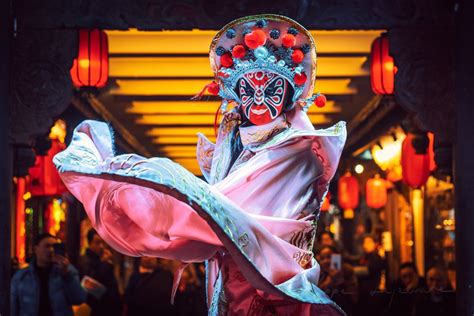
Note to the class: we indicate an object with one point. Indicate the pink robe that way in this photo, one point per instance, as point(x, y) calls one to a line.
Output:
point(254, 223)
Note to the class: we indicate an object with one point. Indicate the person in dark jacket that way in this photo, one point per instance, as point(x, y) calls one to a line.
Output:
point(369, 272)
point(439, 297)
point(339, 283)
point(401, 295)
point(48, 286)
point(149, 290)
point(97, 264)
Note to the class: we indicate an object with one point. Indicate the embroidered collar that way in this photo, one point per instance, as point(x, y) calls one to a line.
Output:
point(256, 134)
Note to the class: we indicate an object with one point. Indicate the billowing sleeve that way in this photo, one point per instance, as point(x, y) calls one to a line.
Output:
point(155, 207)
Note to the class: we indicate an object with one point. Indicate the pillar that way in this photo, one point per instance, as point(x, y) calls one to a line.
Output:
point(464, 161)
point(5, 158)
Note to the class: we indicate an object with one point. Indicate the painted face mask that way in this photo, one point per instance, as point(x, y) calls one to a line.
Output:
point(263, 96)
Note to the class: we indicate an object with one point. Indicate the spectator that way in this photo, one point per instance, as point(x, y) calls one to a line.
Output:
point(326, 238)
point(149, 290)
point(339, 284)
point(369, 273)
point(403, 293)
point(97, 264)
point(48, 286)
point(440, 298)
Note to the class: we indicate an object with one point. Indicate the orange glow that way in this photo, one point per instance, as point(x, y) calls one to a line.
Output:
point(58, 131)
point(348, 192)
point(382, 70)
point(204, 119)
point(91, 66)
point(20, 220)
point(199, 66)
point(201, 107)
point(180, 131)
point(178, 140)
point(189, 87)
point(431, 152)
point(325, 205)
point(376, 192)
point(84, 63)
point(197, 41)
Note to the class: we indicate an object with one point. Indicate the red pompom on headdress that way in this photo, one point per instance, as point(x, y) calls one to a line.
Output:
point(300, 79)
point(255, 39)
point(320, 101)
point(238, 51)
point(297, 56)
point(288, 40)
point(226, 60)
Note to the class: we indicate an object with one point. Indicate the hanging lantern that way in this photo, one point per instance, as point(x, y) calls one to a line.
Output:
point(382, 68)
point(348, 194)
point(415, 167)
point(44, 177)
point(431, 152)
point(91, 67)
point(20, 234)
point(376, 192)
point(325, 204)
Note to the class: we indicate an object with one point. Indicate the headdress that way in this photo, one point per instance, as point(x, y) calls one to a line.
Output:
point(267, 42)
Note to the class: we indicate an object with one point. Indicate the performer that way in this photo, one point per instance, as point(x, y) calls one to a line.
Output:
point(254, 220)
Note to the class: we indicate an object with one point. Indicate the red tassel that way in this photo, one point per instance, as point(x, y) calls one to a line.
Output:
point(212, 87)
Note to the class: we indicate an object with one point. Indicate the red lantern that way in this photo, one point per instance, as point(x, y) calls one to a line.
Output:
point(382, 68)
point(376, 192)
point(415, 167)
point(325, 204)
point(431, 152)
point(348, 192)
point(20, 249)
point(44, 177)
point(91, 67)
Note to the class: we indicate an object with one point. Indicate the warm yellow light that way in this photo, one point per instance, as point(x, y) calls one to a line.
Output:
point(189, 87)
point(27, 196)
point(58, 131)
point(178, 148)
point(197, 41)
point(199, 66)
point(388, 157)
point(84, 63)
point(359, 168)
point(181, 131)
point(388, 65)
point(178, 140)
point(28, 211)
point(332, 228)
point(202, 107)
point(204, 119)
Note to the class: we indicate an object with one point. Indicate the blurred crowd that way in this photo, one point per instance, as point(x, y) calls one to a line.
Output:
point(357, 282)
point(51, 285)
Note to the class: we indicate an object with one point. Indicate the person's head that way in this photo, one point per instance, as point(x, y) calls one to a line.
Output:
point(409, 275)
point(149, 263)
point(437, 279)
point(324, 257)
point(96, 244)
point(43, 249)
point(326, 239)
point(368, 244)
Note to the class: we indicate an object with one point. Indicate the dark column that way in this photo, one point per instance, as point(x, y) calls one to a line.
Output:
point(464, 162)
point(5, 158)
